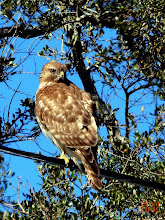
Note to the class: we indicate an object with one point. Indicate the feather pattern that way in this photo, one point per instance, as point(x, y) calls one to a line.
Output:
point(65, 114)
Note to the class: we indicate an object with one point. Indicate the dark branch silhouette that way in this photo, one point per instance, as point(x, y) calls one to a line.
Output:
point(104, 173)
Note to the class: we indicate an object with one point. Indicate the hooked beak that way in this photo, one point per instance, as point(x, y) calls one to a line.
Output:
point(62, 75)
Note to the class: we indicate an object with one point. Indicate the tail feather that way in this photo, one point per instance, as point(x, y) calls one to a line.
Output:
point(91, 167)
point(88, 155)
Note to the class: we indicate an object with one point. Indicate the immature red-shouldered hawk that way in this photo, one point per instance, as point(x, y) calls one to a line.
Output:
point(65, 114)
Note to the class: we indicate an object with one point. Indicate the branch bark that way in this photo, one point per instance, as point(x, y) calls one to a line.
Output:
point(103, 173)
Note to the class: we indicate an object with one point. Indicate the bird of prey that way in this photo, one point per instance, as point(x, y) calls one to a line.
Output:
point(65, 114)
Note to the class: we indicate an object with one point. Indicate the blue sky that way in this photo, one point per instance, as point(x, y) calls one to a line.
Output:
point(30, 70)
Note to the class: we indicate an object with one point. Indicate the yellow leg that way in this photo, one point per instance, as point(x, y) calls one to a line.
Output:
point(64, 157)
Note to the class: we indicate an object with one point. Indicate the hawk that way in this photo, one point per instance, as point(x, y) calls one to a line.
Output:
point(65, 114)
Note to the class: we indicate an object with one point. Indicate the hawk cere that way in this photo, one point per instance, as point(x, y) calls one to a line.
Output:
point(65, 114)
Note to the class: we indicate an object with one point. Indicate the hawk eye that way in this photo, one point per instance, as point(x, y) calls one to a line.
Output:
point(52, 70)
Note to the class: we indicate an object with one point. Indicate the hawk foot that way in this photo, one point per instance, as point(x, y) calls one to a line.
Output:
point(64, 157)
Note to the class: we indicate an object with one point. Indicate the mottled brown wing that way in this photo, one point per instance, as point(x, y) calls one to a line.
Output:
point(66, 115)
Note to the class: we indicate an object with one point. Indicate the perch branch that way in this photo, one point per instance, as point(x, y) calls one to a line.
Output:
point(103, 173)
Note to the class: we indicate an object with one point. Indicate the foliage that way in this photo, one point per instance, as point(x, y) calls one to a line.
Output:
point(5, 176)
point(128, 68)
point(15, 129)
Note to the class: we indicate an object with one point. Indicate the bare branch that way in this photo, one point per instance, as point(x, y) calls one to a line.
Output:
point(11, 101)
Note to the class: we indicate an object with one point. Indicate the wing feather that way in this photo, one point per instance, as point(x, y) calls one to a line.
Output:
point(67, 113)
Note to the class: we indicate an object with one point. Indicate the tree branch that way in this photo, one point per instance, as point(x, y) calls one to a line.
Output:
point(127, 115)
point(22, 30)
point(107, 19)
point(104, 173)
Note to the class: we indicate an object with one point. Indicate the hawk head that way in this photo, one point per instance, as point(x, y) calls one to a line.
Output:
point(53, 72)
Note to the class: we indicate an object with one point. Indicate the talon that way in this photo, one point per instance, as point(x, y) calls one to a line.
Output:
point(64, 157)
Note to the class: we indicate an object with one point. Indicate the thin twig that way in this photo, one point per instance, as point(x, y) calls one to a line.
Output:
point(11, 102)
point(18, 196)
